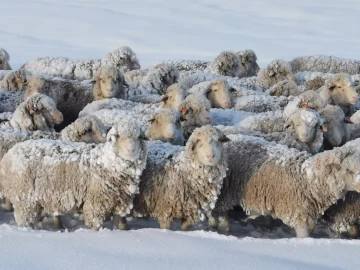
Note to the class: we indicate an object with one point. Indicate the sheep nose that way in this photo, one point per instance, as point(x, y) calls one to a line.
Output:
point(227, 103)
point(354, 99)
point(211, 157)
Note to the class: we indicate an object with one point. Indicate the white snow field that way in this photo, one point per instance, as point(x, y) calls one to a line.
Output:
point(160, 30)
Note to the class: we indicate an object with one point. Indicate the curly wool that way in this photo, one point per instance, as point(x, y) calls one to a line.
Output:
point(227, 64)
point(176, 185)
point(15, 80)
point(284, 88)
point(278, 70)
point(71, 177)
point(260, 103)
point(326, 64)
point(248, 62)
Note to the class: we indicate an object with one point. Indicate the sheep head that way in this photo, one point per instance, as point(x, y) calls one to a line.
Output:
point(195, 111)
point(123, 58)
point(108, 82)
point(219, 94)
point(88, 129)
point(4, 60)
point(227, 63)
point(127, 139)
point(173, 97)
point(35, 85)
point(248, 60)
point(341, 90)
point(161, 76)
point(166, 126)
point(205, 145)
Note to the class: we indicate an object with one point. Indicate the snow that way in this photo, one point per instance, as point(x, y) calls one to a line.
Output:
point(163, 30)
point(169, 29)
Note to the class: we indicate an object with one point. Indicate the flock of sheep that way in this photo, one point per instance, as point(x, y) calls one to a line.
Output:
point(188, 140)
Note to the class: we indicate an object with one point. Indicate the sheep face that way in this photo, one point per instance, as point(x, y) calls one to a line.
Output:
point(336, 134)
point(227, 64)
point(305, 124)
point(108, 83)
point(166, 127)
point(219, 94)
point(92, 131)
point(248, 60)
point(173, 97)
point(129, 148)
point(342, 91)
point(46, 106)
point(206, 145)
point(198, 117)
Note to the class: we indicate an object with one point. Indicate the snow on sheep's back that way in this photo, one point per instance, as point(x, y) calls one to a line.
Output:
point(172, 29)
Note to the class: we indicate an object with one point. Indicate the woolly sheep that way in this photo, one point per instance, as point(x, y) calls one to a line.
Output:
point(122, 58)
point(98, 180)
point(216, 91)
point(226, 63)
point(338, 90)
point(108, 83)
point(147, 99)
point(195, 112)
point(343, 217)
point(161, 124)
point(158, 78)
point(37, 112)
point(260, 103)
point(265, 178)
point(284, 88)
point(173, 97)
point(278, 70)
point(183, 183)
point(4, 60)
point(327, 64)
point(248, 62)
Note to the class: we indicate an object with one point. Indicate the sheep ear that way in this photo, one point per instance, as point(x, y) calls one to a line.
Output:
point(276, 93)
point(151, 120)
point(183, 110)
point(323, 129)
point(92, 81)
point(194, 145)
point(164, 98)
point(288, 123)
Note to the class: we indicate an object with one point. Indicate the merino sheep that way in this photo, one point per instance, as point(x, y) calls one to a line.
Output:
point(183, 184)
point(265, 178)
point(327, 64)
point(109, 83)
point(284, 88)
point(338, 90)
point(344, 216)
point(161, 124)
point(4, 60)
point(195, 112)
point(173, 97)
point(158, 78)
point(248, 62)
point(98, 180)
point(226, 63)
point(278, 70)
point(122, 58)
point(216, 91)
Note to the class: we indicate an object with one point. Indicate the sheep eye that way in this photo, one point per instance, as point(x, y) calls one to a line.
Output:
point(215, 90)
point(339, 86)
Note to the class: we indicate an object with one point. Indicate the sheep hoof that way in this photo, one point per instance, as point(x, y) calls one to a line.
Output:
point(123, 227)
point(57, 223)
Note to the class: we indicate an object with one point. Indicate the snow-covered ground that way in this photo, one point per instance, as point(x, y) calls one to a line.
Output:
point(169, 29)
point(173, 29)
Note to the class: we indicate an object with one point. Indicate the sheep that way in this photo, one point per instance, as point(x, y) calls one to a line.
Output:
point(122, 58)
point(195, 112)
point(327, 64)
point(248, 62)
point(226, 63)
point(303, 131)
point(147, 99)
point(173, 97)
point(260, 103)
point(161, 124)
point(343, 216)
point(216, 91)
point(158, 78)
point(278, 70)
point(338, 90)
point(37, 112)
point(183, 184)
point(284, 88)
point(108, 83)
point(4, 60)
point(266, 178)
point(59, 177)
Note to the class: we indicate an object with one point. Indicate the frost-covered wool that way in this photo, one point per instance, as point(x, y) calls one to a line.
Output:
point(173, 97)
point(158, 78)
point(70, 96)
point(260, 103)
point(284, 88)
point(108, 83)
point(10, 100)
point(4, 60)
point(266, 178)
point(37, 112)
point(248, 62)
point(15, 80)
point(339, 90)
point(178, 183)
point(195, 112)
point(122, 58)
point(278, 70)
point(216, 91)
point(134, 76)
point(188, 65)
point(227, 64)
point(147, 99)
point(160, 124)
point(228, 117)
point(326, 64)
point(59, 177)
point(266, 122)
point(344, 216)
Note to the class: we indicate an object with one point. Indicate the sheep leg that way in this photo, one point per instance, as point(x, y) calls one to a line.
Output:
point(212, 222)
point(7, 206)
point(224, 225)
point(119, 222)
point(302, 232)
point(165, 223)
point(26, 216)
point(57, 223)
point(94, 215)
point(353, 231)
point(185, 223)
